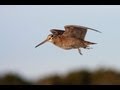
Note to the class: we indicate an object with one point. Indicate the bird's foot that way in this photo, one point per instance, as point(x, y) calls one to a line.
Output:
point(79, 51)
point(88, 48)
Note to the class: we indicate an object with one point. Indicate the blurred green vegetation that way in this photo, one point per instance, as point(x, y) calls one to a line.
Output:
point(80, 77)
point(13, 79)
point(84, 77)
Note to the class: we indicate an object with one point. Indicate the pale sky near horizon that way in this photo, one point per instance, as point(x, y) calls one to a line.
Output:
point(22, 27)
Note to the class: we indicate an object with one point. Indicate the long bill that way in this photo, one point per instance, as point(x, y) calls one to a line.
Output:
point(41, 43)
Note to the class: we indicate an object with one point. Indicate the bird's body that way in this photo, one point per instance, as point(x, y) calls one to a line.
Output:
point(72, 38)
point(69, 42)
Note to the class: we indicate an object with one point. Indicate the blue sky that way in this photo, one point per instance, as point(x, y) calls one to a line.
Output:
point(22, 27)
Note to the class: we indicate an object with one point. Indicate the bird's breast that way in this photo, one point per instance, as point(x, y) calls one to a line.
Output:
point(65, 43)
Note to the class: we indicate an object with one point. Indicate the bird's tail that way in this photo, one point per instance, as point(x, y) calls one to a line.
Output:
point(89, 43)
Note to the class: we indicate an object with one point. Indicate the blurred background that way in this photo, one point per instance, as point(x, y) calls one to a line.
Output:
point(22, 27)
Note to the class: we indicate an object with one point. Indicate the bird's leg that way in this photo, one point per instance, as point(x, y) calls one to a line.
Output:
point(88, 47)
point(79, 51)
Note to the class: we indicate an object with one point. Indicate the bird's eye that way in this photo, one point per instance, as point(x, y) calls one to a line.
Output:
point(51, 35)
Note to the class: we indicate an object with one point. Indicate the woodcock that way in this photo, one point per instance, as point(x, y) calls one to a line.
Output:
point(73, 37)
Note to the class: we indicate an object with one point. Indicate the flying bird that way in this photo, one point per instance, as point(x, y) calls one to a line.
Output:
point(73, 37)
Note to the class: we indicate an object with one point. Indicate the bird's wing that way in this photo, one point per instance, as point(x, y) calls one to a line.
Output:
point(57, 31)
point(76, 31)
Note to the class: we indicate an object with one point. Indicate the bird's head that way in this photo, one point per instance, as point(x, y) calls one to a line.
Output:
point(49, 38)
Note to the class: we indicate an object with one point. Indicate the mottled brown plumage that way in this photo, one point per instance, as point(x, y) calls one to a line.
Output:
point(72, 38)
